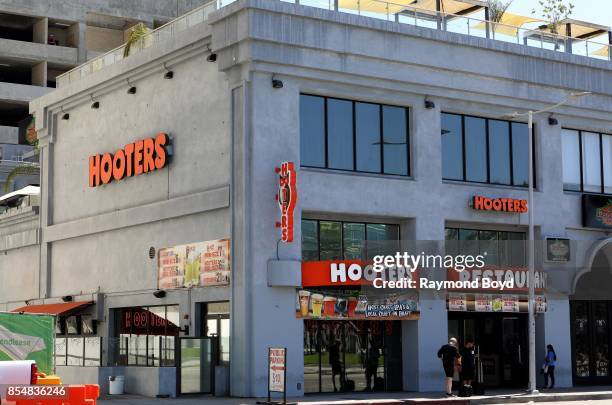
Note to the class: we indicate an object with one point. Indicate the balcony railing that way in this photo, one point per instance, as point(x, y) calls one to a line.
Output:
point(462, 24)
point(385, 10)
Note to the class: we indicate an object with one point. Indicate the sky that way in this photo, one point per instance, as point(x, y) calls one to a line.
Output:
point(595, 11)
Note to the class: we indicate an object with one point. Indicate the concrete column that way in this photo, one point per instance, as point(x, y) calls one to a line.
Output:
point(39, 74)
point(77, 38)
point(274, 138)
point(557, 332)
point(40, 31)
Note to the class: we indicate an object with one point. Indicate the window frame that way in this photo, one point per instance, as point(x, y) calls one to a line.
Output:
point(342, 222)
point(581, 157)
point(488, 151)
point(381, 106)
point(478, 231)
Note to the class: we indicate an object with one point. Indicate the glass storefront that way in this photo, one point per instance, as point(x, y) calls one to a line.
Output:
point(145, 336)
point(352, 356)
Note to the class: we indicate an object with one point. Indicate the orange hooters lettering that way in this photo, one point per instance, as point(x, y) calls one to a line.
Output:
point(142, 156)
point(481, 203)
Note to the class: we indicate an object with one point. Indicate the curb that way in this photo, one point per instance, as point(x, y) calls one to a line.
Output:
point(541, 398)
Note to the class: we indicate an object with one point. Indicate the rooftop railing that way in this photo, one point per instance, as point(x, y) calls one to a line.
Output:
point(534, 36)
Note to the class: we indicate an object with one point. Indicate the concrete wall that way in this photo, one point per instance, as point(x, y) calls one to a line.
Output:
point(103, 39)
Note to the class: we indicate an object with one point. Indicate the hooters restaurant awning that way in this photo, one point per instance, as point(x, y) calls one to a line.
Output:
point(54, 309)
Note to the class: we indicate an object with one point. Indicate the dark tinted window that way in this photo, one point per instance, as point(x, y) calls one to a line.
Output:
point(452, 147)
point(499, 152)
point(363, 137)
point(347, 240)
point(312, 130)
point(484, 150)
point(395, 140)
point(310, 240)
point(340, 134)
point(475, 149)
point(330, 240)
point(367, 121)
point(520, 154)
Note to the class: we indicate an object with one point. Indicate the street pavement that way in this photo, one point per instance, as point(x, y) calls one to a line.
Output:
point(590, 395)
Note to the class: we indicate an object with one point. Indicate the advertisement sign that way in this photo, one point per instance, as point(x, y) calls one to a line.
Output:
point(348, 273)
point(334, 304)
point(557, 250)
point(483, 303)
point(510, 303)
point(277, 367)
point(287, 199)
point(136, 158)
point(493, 303)
point(457, 302)
point(28, 337)
point(596, 211)
point(518, 275)
point(199, 264)
point(481, 203)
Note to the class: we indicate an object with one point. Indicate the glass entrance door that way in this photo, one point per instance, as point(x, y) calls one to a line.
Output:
point(591, 342)
point(196, 365)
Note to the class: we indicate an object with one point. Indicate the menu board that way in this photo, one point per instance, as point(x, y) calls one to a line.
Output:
point(198, 264)
point(510, 303)
point(457, 302)
point(353, 305)
point(483, 303)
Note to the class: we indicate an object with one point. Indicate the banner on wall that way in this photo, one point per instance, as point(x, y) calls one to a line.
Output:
point(198, 264)
point(508, 303)
point(28, 337)
point(596, 211)
point(335, 304)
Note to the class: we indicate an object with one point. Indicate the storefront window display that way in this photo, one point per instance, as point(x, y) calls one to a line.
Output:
point(145, 336)
point(352, 333)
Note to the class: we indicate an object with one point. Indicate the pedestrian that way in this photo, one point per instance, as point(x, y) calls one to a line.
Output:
point(371, 366)
point(336, 365)
point(550, 361)
point(450, 360)
point(468, 363)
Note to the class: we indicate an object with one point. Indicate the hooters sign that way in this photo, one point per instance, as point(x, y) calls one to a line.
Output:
point(287, 198)
point(143, 156)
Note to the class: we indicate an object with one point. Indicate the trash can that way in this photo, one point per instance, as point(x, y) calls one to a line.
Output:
point(116, 384)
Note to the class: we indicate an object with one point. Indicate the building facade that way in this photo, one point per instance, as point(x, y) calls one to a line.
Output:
point(401, 138)
point(44, 39)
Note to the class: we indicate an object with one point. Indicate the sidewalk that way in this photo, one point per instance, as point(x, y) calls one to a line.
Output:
point(391, 398)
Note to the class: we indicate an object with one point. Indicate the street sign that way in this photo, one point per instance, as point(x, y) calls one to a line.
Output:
point(277, 361)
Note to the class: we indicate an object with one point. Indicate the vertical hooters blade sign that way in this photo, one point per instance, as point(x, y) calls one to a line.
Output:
point(287, 198)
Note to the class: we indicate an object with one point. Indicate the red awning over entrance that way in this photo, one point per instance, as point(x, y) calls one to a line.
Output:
point(53, 309)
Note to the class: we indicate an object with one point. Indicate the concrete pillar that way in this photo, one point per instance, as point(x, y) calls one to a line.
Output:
point(39, 74)
point(557, 332)
point(40, 31)
point(77, 38)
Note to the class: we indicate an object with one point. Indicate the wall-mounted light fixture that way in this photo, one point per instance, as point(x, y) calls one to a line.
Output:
point(95, 104)
point(169, 73)
point(159, 294)
point(277, 83)
point(131, 89)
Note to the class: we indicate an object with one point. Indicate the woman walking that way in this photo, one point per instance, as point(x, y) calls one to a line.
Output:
point(550, 361)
